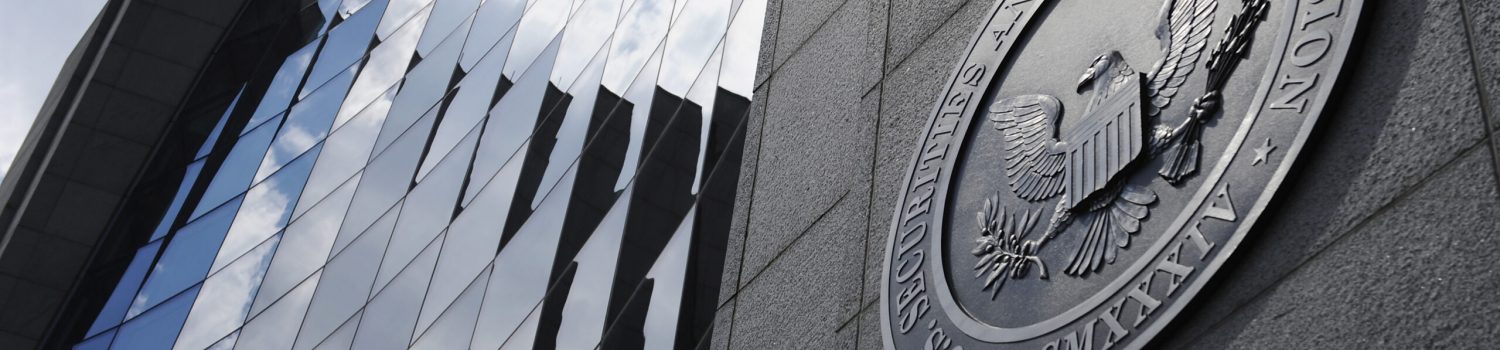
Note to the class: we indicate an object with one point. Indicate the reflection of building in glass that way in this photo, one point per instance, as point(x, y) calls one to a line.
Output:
point(433, 174)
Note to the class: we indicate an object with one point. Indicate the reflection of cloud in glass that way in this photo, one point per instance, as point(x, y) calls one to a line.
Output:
point(494, 20)
point(265, 209)
point(587, 30)
point(273, 328)
point(279, 94)
point(637, 37)
point(308, 239)
point(538, 27)
point(225, 298)
point(640, 93)
point(346, 151)
point(385, 67)
point(396, 14)
point(446, 16)
point(742, 48)
point(694, 37)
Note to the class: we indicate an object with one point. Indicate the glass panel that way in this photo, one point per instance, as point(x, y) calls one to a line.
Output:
point(225, 344)
point(394, 309)
point(540, 25)
point(641, 94)
point(275, 328)
point(306, 125)
point(345, 284)
point(692, 41)
point(130, 282)
point(385, 181)
point(156, 329)
point(387, 64)
point(640, 33)
point(345, 152)
point(350, 7)
point(575, 124)
point(343, 338)
point(742, 48)
point(447, 15)
point(329, 8)
point(425, 85)
point(235, 174)
point(588, 30)
point(494, 20)
point(524, 337)
point(472, 240)
point(429, 206)
point(266, 209)
point(588, 300)
point(511, 122)
point(397, 13)
point(224, 299)
point(517, 284)
point(308, 239)
point(186, 260)
point(468, 108)
point(98, 342)
point(703, 92)
point(456, 325)
point(346, 44)
point(189, 177)
point(668, 275)
point(213, 136)
point(279, 94)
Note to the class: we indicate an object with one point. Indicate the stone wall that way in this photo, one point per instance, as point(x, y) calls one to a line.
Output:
point(1386, 235)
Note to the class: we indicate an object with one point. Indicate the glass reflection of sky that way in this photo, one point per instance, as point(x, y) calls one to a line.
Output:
point(392, 171)
point(224, 300)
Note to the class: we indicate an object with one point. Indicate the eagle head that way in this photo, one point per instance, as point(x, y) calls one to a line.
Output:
point(1103, 66)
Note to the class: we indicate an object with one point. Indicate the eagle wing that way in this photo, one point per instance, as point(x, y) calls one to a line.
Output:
point(1032, 163)
point(1184, 32)
point(1111, 223)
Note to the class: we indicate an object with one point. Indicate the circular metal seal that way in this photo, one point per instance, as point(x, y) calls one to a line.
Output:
point(1092, 163)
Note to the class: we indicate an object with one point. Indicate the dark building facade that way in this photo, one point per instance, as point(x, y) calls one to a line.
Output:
point(628, 174)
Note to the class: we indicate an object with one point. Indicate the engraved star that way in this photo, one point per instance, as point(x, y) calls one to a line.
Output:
point(1263, 152)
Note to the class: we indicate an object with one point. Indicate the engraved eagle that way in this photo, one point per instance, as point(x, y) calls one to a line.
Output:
point(1083, 165)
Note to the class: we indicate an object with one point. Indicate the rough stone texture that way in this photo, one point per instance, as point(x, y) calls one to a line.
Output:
point(812, 150)
point(799, 20)
point(734, 246)
point(768, 40)
point(802, 298)
point(1382, 237)
point(875, 44)
point(869, 328)
point(723, 328)
point(913, 24)
point(1419, 276)
point(1483, 19)
point(1399, 119)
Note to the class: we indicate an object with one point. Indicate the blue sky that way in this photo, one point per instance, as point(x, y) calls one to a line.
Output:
point(35, 38)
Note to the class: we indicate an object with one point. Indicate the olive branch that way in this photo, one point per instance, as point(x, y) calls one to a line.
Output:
point(1003, 249)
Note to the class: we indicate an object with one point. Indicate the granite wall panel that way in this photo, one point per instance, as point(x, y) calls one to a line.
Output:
point(1383, 236)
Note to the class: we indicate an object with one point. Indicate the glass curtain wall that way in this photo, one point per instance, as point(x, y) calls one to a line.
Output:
point(444, 174)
